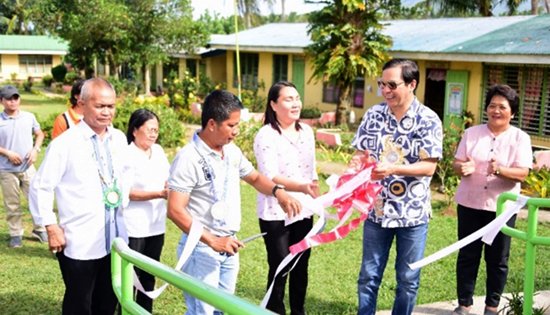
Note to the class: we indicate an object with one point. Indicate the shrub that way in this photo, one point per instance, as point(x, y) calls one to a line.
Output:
point(310, 112)
point(71, 78)
point(188, 117)
point(537, 183)
point(59, 72)
point(27, 85)
point(171, 131)
point(206, 86)
point(46, 125)
point(252, 100)
point(125, 87)
point(181, 92)
point(245, 139)
point(47, 80)
point(444, 172)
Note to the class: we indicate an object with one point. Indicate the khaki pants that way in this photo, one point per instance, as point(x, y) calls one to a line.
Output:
point(12, 186)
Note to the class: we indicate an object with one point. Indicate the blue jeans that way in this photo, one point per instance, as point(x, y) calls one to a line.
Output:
point(377, 242)
point(210, 267)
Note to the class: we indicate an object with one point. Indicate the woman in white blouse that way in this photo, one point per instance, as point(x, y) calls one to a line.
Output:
point(145, 216)
point(285, 152)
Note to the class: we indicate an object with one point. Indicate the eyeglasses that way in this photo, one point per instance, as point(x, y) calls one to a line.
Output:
point(152, 131)
point(392, 85)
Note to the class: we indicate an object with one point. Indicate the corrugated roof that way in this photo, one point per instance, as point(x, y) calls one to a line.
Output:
point(32, 44)
point(436, 35)
point(529, 37)
point(514, 35)
point(273, 37)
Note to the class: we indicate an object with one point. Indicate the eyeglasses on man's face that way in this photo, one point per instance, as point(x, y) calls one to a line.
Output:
point(392, 85)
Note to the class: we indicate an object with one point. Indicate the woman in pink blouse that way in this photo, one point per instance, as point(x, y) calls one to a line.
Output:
point(285, 152)
point(491, 159)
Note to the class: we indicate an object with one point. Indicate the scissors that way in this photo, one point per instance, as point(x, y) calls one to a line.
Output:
point(253, 237)
point(246, 240)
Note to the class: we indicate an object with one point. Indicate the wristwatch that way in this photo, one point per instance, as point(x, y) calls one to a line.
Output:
point(497, 171)
point(275, 188)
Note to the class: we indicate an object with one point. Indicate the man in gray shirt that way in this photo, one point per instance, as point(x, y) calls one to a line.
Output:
point(17, 156)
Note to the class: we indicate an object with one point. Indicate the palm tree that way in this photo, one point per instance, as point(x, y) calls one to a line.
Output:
point(481, 7)
point(347, 44)
point(248, 9)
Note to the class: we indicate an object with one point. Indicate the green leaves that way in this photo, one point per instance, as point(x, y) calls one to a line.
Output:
point(347, 43)
point(537, 183)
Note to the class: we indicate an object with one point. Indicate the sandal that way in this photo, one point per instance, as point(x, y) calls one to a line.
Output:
point(461, 310)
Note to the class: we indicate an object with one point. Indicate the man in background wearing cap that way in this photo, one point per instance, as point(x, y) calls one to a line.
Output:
point(17, 156)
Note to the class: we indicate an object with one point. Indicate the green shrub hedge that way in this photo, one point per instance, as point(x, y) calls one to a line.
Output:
point(171, 129)
point(171, 133)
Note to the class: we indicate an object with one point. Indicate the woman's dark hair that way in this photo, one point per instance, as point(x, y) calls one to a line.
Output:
point(409, 70)
point(138, 118)
point(270, 117)
point(75, 90)
point(505, 91)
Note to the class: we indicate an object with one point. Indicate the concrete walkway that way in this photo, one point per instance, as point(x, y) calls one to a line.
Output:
point(541, 299)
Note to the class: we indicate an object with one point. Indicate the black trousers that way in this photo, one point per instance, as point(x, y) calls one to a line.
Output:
point(151, 247)
point(88, 288)
point(277, 241)
point(496, 257)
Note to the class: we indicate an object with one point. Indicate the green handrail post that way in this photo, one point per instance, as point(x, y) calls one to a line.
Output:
point(123, 259)
point(531, 240)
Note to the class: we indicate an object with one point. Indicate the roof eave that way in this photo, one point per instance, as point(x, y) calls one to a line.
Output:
point(272, 49)
point(32, 52)
point(493, 58)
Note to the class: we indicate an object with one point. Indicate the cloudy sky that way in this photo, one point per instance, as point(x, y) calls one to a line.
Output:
point(225, 7)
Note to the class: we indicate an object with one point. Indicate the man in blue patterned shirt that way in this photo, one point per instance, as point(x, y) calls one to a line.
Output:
point(404, 137)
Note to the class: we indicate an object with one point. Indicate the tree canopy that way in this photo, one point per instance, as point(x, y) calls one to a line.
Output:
point(133, 32)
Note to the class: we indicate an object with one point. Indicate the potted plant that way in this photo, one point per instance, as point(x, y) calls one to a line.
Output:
point(310, 116)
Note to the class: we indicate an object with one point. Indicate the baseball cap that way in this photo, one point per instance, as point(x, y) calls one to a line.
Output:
point(8, 91)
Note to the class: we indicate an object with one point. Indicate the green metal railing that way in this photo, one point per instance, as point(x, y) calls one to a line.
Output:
point(122, 261)
point(531, 241)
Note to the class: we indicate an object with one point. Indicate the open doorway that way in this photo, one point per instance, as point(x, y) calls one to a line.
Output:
point(434, 95)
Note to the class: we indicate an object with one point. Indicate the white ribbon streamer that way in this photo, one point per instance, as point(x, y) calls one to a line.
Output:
point(317, 227)
point(317, 206)
point(486, 233)
point(195, 234)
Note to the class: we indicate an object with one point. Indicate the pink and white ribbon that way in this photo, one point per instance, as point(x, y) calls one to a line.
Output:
point(353, 191)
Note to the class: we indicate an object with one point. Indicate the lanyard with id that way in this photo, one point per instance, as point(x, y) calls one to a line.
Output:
point(219, 208)
point(112, 195)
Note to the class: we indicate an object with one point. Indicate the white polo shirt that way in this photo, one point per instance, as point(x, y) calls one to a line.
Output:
point(69, 172)
point(196, 168)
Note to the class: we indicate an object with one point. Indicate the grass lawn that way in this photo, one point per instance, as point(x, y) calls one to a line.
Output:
point(31, 281)
point(42, 106)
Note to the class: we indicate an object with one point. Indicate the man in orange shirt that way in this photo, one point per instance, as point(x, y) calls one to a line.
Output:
point(72, 116)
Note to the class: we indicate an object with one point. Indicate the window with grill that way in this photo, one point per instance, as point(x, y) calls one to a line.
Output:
point(249, 70)
point(331, 93)
point(531, 83)
point(35, 64)
point(191, 67)
point(280, 68)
